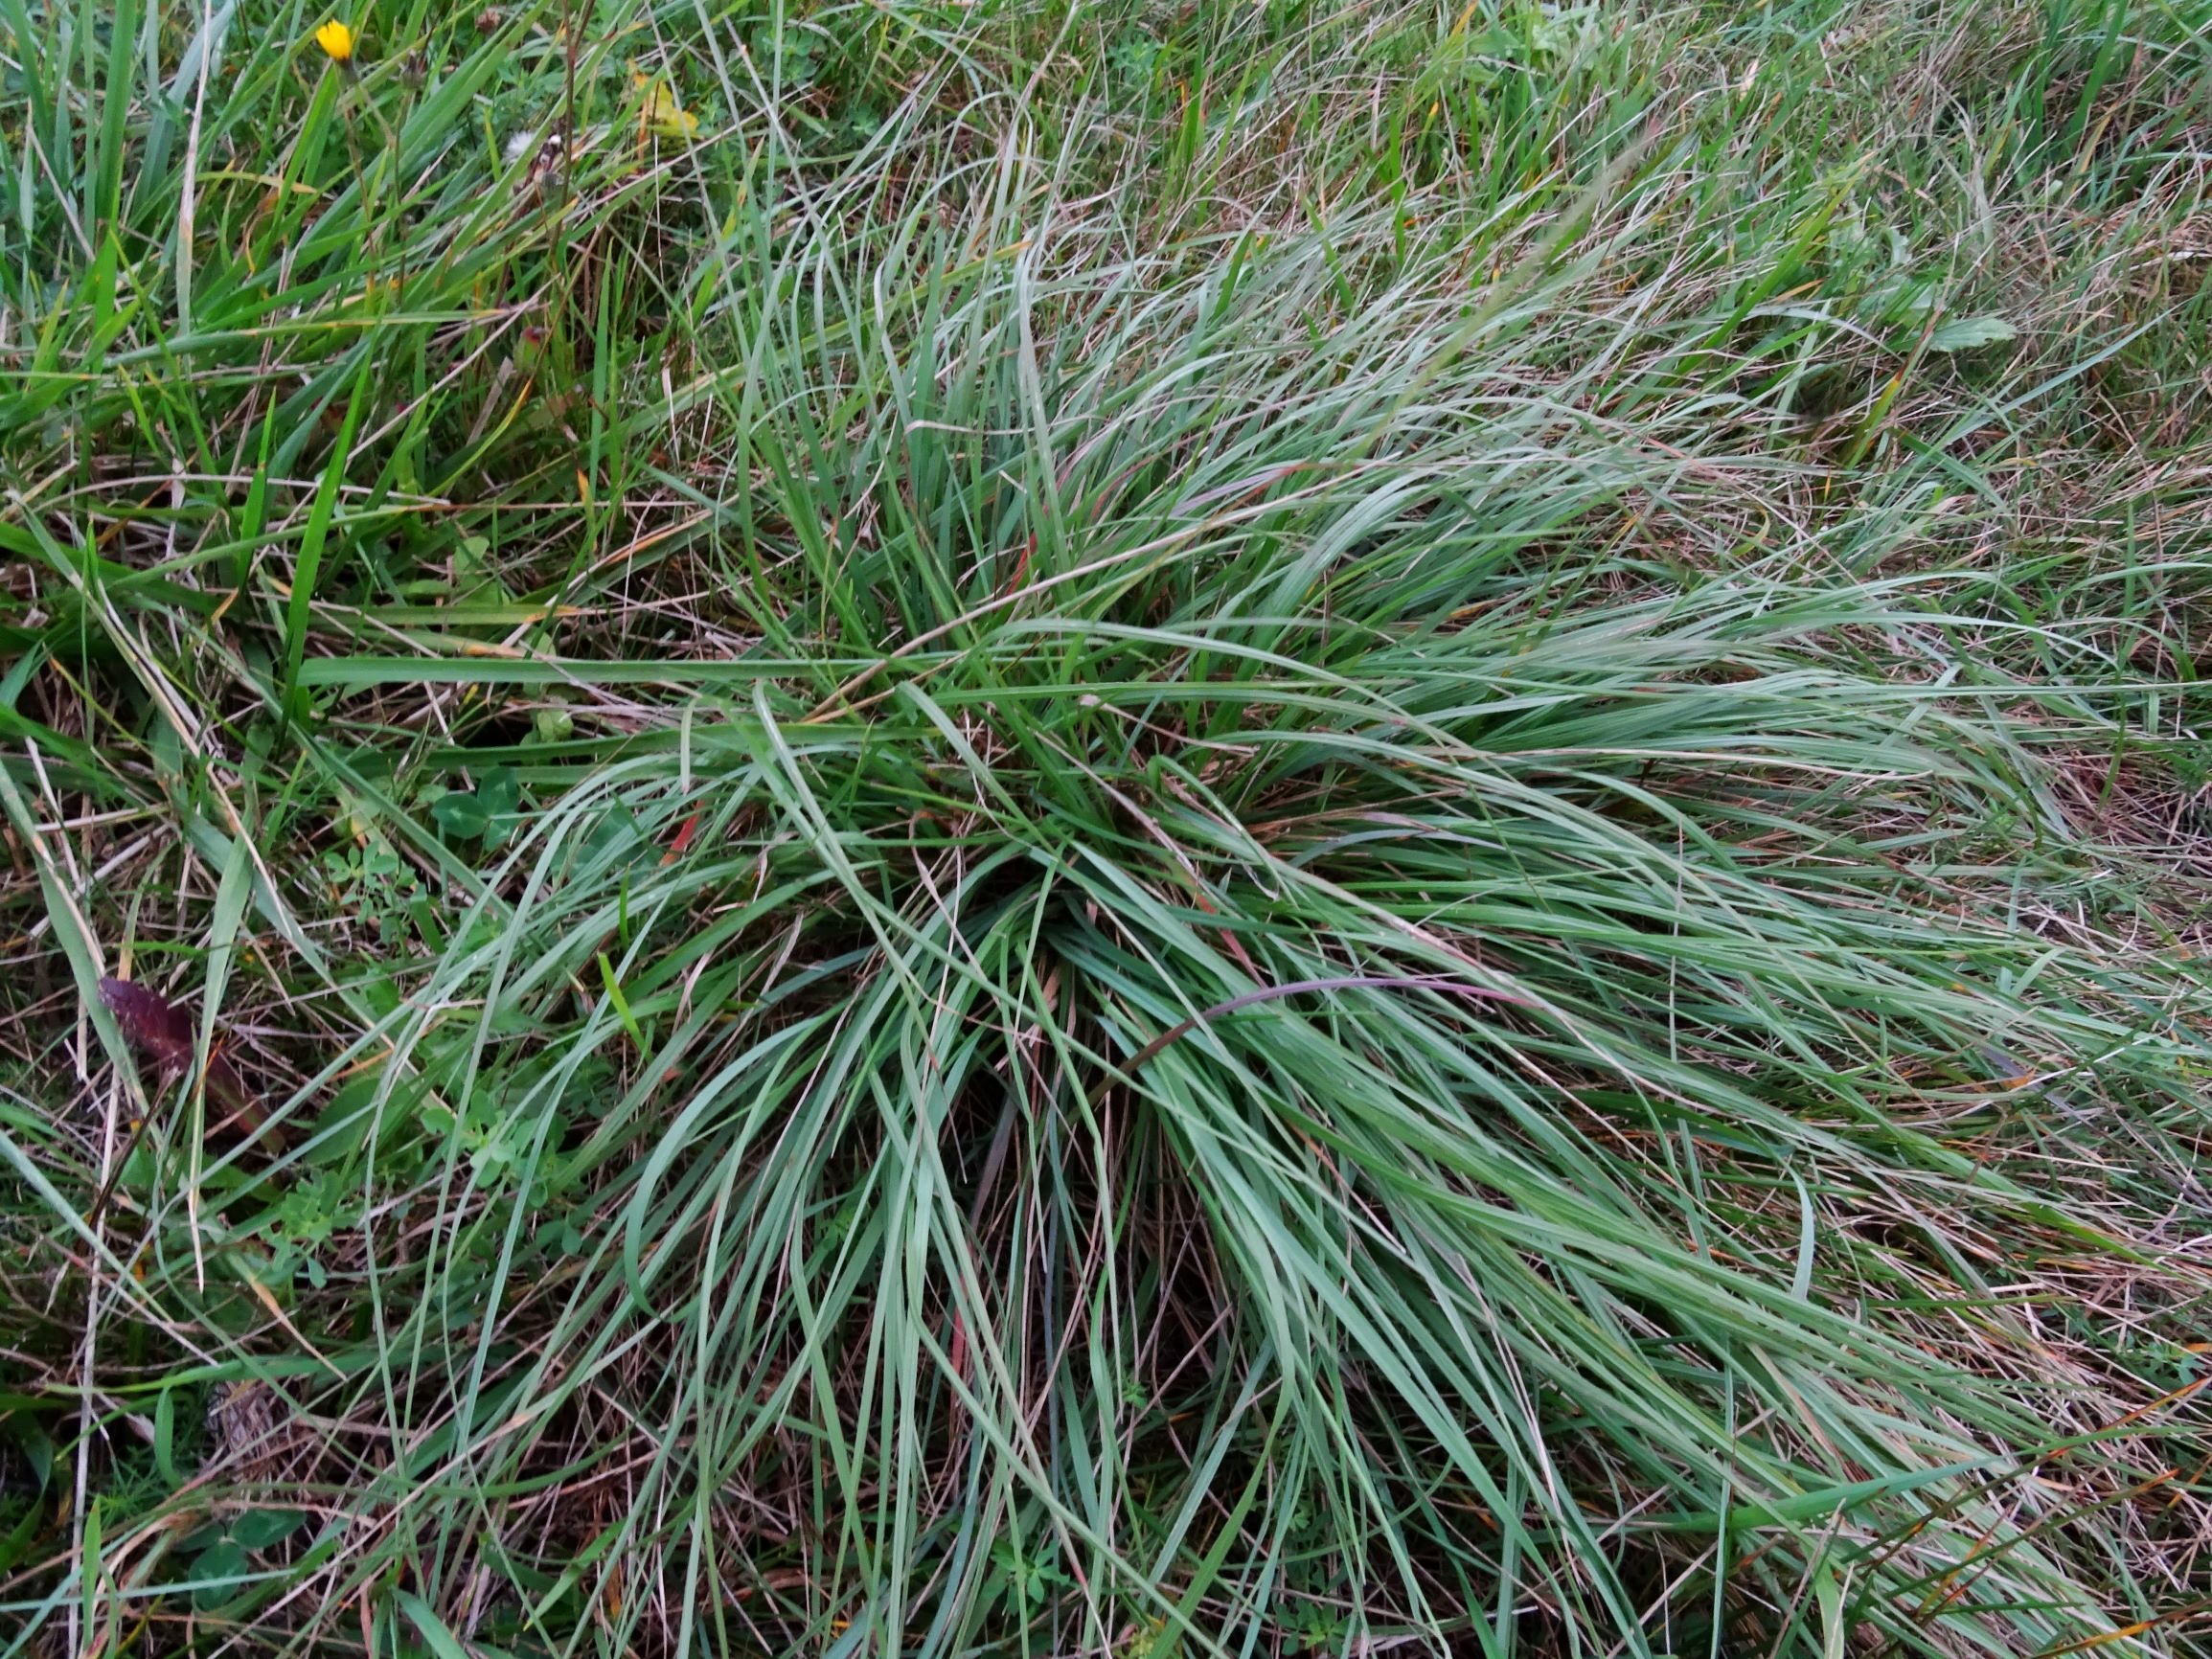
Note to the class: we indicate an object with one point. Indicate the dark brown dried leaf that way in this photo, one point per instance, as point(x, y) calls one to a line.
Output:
point(162, 1035)
point(158, 1030)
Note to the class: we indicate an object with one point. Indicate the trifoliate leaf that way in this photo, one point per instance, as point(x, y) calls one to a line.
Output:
point(461, 815)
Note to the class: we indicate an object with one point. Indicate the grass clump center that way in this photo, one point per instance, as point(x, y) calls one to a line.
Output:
point(1016, 829)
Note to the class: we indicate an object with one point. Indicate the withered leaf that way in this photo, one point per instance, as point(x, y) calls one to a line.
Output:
point(162, 1035)
point(157, 1029)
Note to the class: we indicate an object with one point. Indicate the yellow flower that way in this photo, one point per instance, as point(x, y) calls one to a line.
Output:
point(337, 41)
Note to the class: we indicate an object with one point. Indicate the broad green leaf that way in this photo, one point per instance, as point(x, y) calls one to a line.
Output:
point(1965, 333)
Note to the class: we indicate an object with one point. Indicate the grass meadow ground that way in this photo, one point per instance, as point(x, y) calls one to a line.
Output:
point(1173, 830)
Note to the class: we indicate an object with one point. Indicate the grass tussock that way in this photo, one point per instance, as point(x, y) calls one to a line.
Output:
point(1129, 831)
